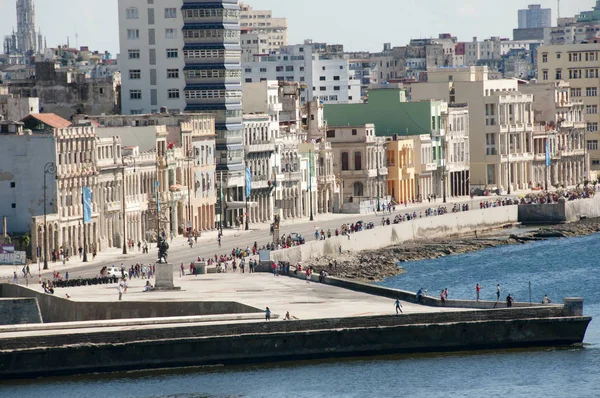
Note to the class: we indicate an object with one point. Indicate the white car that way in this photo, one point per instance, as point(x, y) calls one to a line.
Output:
point(114, 271)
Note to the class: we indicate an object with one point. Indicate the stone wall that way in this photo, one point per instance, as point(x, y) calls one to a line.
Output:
point(58, 309)
point(557, 213)
point(15, 311)
point(422, 228)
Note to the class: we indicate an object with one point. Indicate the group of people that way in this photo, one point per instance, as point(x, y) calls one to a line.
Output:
point(578, 193)
point(498, 203)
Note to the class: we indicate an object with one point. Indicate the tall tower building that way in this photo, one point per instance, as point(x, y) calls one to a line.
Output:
point(185, 55)
point(535, 17)
point(26, 35)
point(262, 22)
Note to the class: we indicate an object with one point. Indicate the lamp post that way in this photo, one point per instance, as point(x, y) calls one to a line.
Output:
point(444, 160)
point(310, 162)
point(190, 184)
point(508, 158)
point(49, 168)
point(123, 205)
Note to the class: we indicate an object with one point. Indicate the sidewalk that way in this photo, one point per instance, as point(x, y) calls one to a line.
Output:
point(114, 255)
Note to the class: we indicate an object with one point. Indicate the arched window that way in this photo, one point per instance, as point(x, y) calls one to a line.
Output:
point(357, 160)
point(345, 161)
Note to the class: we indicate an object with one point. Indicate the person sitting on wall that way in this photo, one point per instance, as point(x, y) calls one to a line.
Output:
point(148, 287)
point(420, 293)
point(546, 299)
point(443, 297)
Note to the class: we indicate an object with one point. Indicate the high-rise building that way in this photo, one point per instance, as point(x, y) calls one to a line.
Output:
point(185, 55)
point(535, 17)
point(262, 22)
point(26, 36)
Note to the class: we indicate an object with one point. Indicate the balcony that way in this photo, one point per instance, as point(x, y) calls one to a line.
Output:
point(260, 146)
point(430, 166)
point(517, 157)
point(274, 108)
point(112, 207)
point(359, 173)
point(292, 176)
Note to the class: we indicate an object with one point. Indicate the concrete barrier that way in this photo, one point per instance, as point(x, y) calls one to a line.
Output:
point(58, 309)
point(421, 228)
point(561, 212)
point(15, 311)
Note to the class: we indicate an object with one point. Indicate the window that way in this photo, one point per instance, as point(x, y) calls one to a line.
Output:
point(133, 34)
point(345, 165)
point(330, 133)
point(132, 13)
point(357, 160)
point(279, 69)
point(592, 127)
point(289, 68)
point(322, 88)
point(591, 92)
point(545, 75)
point(13, 184)
point(354, 132)
point(134, 54)
point(591, 109)
point(247, 70)
point(172, 73)
point(575, 92)
point(336, 88)
point(135, 94)
point(336, 78)
point(14, 205)
point(558, 74)
point(592, 145)
point(135, 74)
point(595, 162)
point(263, 70)
point(172, 53)
point(170, 33)
point(322, 78)
point(248, 80)
point(170, 13)
point(173, 93)
point(323, 68)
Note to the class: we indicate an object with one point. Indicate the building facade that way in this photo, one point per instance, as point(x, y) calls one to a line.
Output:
point(322, 70)
point(401, 169)
point(185, 56)
point(500, 120)
point(535, 17)
point(262, 22)
point(578, 64)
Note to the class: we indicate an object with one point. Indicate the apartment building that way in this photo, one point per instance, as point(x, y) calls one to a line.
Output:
point(579, 65)
point(500, 124)
point(262, 22)
point(323, 71)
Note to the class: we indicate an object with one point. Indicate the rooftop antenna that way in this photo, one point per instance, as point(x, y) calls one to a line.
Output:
point(77, 37)
point(558, 8)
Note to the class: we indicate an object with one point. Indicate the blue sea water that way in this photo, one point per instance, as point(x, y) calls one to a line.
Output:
point(559, 268)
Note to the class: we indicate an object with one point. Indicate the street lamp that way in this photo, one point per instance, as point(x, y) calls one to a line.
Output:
point(49, 168)
point(310, 196)
point(123, 205)
point(190, 184)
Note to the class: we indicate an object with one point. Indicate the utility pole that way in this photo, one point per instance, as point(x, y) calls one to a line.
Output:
point(508, 158)
point(310, 161)
point(50, 168)
point(84, 227)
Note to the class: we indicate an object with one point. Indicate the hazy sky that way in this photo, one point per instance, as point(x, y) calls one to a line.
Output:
point(359, 25)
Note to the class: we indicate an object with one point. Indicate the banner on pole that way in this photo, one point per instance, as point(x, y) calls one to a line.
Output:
point(248, 182)
point(548, 155)
point(87, 205)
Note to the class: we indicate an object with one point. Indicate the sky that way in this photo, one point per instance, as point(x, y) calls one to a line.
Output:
point(357, 24)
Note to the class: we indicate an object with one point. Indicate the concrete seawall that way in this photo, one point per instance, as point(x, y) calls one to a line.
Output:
point(14, 311)
point(562, 212)
point(276, 341)
point(421, 228)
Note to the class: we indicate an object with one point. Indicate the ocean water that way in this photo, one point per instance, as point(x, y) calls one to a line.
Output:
point(559, 268)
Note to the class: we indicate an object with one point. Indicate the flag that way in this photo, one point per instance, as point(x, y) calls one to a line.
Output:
point(248, 182)
point(548, 155)
point(156, 185)
point(87, 204)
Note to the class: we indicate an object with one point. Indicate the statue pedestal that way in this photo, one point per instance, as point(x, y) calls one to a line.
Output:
point(164, 277)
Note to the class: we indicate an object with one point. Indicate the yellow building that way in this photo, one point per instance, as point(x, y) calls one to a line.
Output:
point(401, 169)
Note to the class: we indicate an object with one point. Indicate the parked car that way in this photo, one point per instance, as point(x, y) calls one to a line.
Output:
point(114, 271)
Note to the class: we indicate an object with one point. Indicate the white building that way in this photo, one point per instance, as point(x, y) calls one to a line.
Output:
point(323, 70)
point(535, 17)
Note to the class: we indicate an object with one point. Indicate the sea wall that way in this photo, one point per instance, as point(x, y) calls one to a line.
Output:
point(15, 311)
point(277, 341)
point(421, 228)
point(58, 309)
point(561, 212)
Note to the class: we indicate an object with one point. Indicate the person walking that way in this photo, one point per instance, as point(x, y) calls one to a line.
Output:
point(121, 289)
point(267, 314)
point(478, 290)
point(398, 306)
point(15, 278)
point(509, 301)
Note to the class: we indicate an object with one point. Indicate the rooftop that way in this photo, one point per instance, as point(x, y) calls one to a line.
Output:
point(49, 119)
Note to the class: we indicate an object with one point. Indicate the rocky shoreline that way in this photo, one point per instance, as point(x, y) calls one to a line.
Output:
point(376, 265)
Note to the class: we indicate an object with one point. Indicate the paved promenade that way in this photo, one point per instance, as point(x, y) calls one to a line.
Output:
point(207, 246)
